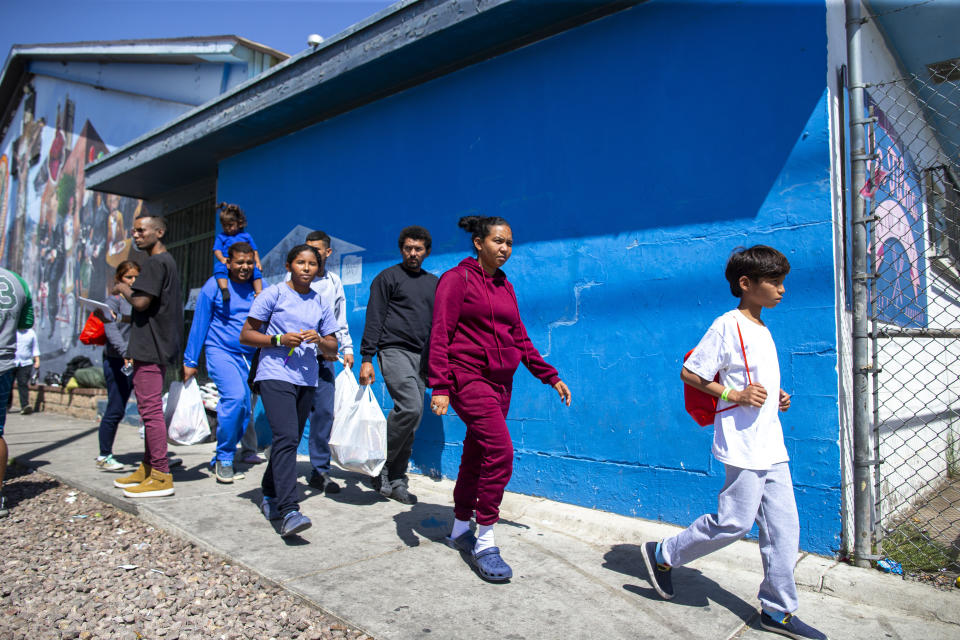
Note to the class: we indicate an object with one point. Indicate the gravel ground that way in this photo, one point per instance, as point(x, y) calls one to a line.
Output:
point(76, 567)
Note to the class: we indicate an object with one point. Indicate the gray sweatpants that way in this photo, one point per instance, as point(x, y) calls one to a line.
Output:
point(748, 496)
point(401, 374)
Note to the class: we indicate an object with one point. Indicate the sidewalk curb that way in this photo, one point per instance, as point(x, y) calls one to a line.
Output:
point(813, 572)
point(144, 513)
point(101, 493)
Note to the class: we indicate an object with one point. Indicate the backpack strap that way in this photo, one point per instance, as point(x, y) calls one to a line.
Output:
point(743, 350)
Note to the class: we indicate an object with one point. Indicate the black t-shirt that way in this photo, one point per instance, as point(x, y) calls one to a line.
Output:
point(156, 335)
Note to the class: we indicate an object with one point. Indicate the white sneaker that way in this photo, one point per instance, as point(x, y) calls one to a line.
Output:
point(109, 464)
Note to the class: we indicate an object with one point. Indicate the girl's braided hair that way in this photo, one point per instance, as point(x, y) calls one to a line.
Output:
point(232, 213)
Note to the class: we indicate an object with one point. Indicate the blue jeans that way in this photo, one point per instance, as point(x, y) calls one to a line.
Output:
point(6, 386)
point(321, 420)
point(229, 371)
point(287, 407)
point(119, 388)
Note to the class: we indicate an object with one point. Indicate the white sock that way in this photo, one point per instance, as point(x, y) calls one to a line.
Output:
point(484, 538)
point(459, 528)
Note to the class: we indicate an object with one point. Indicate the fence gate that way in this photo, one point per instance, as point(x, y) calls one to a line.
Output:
point(190, 235)
point(913, 200)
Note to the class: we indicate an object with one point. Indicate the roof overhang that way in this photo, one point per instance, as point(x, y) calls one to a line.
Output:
point(190, 50)
point(404, 45)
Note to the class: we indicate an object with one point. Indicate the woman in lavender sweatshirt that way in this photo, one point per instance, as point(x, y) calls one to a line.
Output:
point(476, 344)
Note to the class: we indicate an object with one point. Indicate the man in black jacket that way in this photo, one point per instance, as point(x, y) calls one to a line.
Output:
point(397, 331)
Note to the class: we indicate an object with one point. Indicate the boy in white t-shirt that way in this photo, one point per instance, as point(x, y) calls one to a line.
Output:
point(748, 440)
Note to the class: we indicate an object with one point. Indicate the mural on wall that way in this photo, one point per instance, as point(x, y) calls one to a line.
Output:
point(344, 260)
point(894, 186)
point(4, 196)
point(63, 239)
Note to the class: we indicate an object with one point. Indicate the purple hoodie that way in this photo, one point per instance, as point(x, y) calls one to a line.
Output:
point(477, 332)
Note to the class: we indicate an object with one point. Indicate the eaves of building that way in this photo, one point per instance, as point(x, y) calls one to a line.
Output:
point(409, 43)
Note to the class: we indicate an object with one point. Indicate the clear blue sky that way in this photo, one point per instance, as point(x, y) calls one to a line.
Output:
point(281, 24)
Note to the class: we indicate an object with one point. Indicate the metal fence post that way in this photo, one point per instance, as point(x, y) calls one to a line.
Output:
point(863, 485)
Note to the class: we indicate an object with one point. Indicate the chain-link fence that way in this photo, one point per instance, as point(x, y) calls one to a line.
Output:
point(913, 200)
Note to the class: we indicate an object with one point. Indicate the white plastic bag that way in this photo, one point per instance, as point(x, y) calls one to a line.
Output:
point(358, 438)
point(345, 391)
point(185, 415)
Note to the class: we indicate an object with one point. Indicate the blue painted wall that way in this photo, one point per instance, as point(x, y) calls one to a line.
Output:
point(631, 155)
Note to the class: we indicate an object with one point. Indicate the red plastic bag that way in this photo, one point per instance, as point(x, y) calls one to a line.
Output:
point(93, 333)
point(702, 406)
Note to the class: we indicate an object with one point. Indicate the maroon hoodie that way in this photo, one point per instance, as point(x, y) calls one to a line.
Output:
point(477, 331)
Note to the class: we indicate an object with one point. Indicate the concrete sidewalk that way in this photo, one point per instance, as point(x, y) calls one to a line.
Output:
point(578, 573)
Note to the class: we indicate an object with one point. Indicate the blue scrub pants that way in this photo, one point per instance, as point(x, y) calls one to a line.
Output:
point(321, 419)
point(229, 371)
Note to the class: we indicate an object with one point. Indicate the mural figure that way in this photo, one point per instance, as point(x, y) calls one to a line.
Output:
point(62, 237)
point(899, 240)
point(4, 197)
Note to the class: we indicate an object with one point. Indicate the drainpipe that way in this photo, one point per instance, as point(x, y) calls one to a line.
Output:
point(863, 485)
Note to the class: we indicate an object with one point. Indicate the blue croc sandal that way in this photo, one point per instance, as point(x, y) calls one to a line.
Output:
point(465, 542)
point(491, 566)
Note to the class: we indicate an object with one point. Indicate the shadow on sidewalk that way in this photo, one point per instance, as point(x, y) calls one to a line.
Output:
point(423, 520)
point(692, 588)
point(29, 458)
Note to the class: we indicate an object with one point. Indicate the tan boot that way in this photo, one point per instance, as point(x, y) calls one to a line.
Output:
point(159, 484)
point(135, 478)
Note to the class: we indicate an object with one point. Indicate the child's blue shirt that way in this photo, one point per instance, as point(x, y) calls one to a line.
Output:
point(223, 241)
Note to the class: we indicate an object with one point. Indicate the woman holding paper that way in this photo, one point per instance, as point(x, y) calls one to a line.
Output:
point(292, 325)
point(116, 326)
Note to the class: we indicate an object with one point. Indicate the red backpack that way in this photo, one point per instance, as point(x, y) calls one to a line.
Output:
point(702, 406)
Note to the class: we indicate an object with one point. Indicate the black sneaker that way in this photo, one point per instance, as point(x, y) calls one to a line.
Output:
point(791, 627)
point(381, 484)
point(659, 574)
point(322, 482)
point(4, 510)
point(293, 523)
point(400, 493)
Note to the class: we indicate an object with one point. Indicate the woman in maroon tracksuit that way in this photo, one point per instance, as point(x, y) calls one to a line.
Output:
point(476, 344)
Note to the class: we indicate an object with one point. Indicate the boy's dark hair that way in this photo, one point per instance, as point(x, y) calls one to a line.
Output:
point(232, 213)
point(479, 226)
point(239, 247)
point(318, 236)
point(415, 232)
point(297, 250)
point(759, 261)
